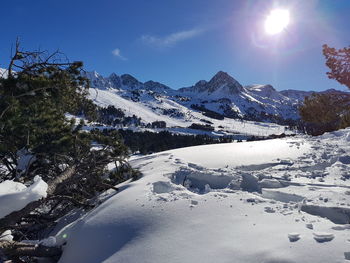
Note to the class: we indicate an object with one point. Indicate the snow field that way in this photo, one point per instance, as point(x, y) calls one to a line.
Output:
point(146, 111)
point(245, 202)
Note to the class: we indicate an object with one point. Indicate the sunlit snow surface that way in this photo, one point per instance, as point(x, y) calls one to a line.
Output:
point(179, 125)
point(3, 73)
point(14, 196)
point(283, 200)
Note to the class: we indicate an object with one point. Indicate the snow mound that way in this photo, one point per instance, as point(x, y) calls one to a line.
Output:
point(15, 196)
point(6, 236)
point(243, 154)
point(8, 187)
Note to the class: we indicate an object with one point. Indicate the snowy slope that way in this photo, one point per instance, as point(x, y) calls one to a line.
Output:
point(256, 102)
point(151, 109)
point(104, 98)
point(296, 94)
point(222, 96)
point(283, 200)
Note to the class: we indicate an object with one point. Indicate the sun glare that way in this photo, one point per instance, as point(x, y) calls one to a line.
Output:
point(276, 21)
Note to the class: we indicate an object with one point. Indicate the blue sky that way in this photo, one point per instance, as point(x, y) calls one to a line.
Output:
point(178, 42)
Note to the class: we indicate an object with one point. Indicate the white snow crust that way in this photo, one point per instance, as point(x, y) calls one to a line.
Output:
point(282, 200)
point(14, 196)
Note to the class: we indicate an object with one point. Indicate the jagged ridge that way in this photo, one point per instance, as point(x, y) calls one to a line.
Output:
point(222, 94)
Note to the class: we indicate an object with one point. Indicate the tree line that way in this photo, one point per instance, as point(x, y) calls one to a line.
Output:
point(150, 142)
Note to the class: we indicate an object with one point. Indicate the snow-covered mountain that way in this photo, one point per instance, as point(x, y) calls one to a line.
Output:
point(220, 102)
point(222, 94)
point(217, 104)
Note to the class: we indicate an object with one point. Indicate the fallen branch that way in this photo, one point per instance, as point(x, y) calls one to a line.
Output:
point(17, 249)
point(109, 186)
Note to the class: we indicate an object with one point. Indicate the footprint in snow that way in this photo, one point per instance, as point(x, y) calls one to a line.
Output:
point(293, 237)
point(269, 209)
point(322, 237)
point(309, 226)
point(194, 202)
point(340, 228)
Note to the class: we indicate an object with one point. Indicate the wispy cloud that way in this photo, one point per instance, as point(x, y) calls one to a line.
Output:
point(116, 52)
point(171, 39)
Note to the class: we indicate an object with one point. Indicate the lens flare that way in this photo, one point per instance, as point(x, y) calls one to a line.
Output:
point(277, 21)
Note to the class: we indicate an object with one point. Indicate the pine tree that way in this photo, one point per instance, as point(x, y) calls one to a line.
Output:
point(329, 111)
point(339, 63)
point(34, 101)
point(35, 97)
point(322, 112)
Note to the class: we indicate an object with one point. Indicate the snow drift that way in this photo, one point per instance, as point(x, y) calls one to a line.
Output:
point(14, 196)
point(191, 206)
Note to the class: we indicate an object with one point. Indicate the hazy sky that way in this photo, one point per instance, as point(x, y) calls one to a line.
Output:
point(178, 42)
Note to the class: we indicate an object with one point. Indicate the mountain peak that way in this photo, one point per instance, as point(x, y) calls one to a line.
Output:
point(129, 80)
point(224, 80)
point(93, 74)
point(222, 74)
point(153, 85)
point(116, 80)
point(221, 81)
point(223, 77)
point(201, 83)
point(261, 88)
point(113, 75)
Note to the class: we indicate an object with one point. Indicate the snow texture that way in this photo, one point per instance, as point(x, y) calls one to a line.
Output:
point(15, 196)
point(6, 236)
point(280, 200)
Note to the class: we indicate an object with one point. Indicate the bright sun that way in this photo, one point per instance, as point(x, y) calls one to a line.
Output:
point(277, 21)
